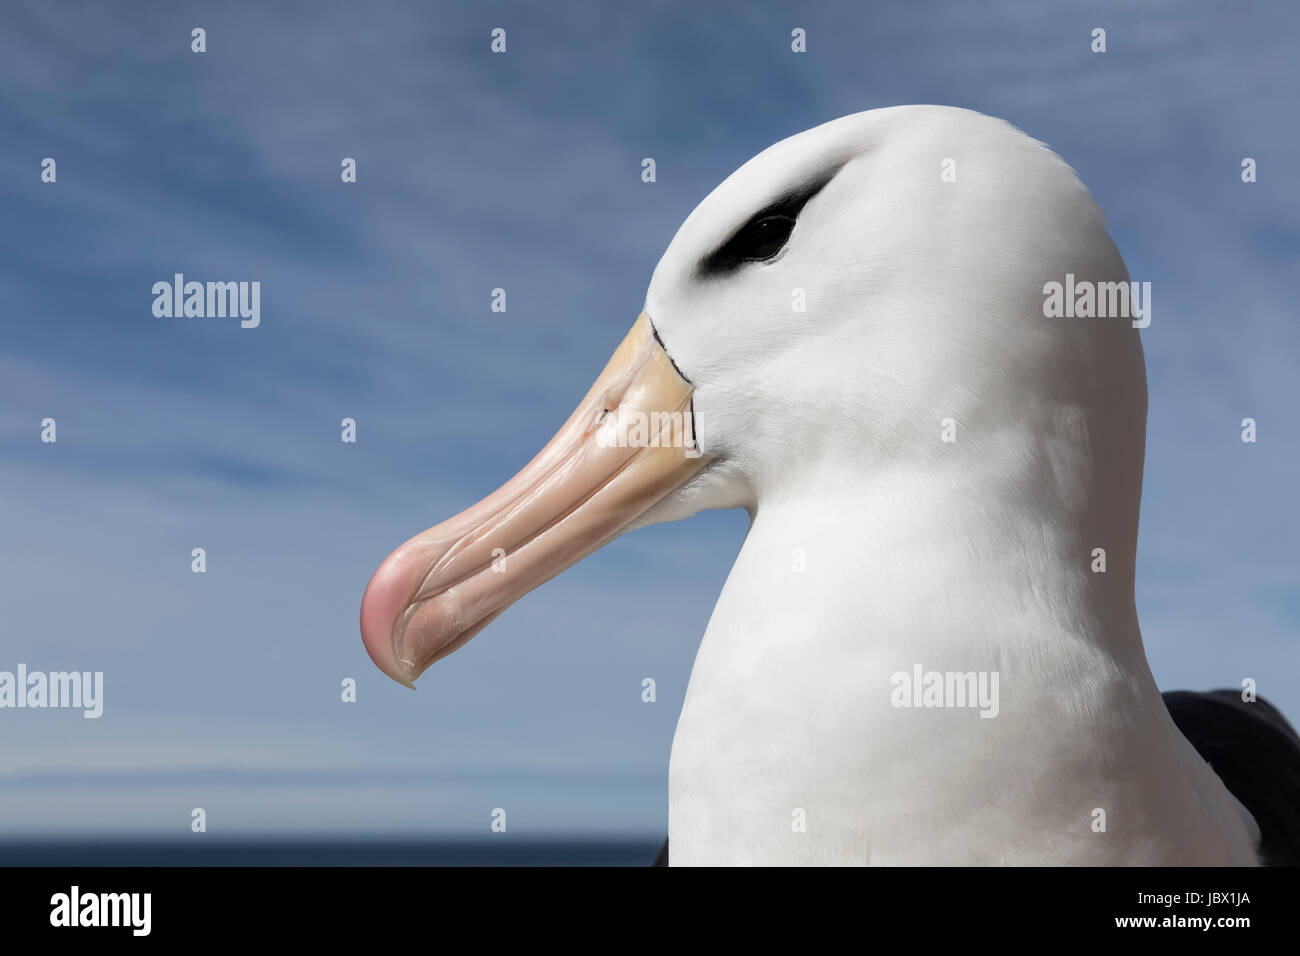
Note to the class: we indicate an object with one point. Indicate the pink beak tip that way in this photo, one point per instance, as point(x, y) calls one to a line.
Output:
point(381, 607)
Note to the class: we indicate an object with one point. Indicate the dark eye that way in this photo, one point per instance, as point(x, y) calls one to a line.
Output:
point(761, 238)
point(766, 233)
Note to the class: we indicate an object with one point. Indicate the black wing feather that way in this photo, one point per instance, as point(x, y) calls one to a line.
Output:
point(1256, 753)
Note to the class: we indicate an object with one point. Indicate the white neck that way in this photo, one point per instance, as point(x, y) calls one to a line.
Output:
point(791, 707)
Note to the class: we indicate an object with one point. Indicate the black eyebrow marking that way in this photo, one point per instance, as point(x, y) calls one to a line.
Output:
point(724, 259)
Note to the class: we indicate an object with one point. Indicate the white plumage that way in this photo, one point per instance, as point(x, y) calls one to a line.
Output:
point(923, 304)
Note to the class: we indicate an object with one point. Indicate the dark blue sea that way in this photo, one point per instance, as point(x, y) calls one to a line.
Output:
point(200, 852)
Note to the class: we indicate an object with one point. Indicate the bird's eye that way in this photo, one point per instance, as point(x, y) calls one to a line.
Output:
point(766, 233)
point(761, 238)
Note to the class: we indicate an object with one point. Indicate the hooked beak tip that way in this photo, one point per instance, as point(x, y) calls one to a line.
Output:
point(382, 610)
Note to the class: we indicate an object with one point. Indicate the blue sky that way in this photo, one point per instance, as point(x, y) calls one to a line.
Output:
point(522, 171)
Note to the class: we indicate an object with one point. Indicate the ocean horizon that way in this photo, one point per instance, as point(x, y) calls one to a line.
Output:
point(360, 851)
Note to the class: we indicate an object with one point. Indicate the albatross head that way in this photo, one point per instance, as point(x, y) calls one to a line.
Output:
point(814, 323)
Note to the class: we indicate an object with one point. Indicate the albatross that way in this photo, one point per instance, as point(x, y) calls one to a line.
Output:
point(847, 338)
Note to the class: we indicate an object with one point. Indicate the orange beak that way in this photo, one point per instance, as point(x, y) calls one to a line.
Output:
point(629, 443)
